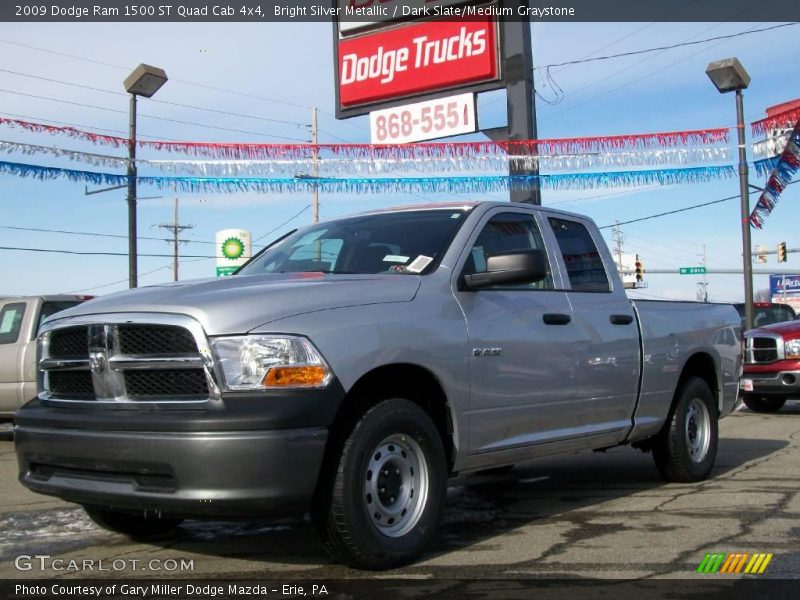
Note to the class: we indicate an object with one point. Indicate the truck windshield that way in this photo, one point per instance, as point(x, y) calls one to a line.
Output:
point(393, 242)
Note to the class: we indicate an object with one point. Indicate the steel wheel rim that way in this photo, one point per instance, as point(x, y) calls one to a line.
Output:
point(396, 483)
point(698, 430)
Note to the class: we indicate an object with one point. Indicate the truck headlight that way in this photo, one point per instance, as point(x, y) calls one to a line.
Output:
point(256, 362)
point(791, 349)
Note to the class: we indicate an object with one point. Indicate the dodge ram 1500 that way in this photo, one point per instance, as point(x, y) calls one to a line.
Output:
point(354, 365)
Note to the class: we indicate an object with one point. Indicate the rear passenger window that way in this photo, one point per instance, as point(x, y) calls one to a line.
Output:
point(584, 265)
point(11, 322)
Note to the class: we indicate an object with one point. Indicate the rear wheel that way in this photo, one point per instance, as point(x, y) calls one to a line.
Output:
point(686, 448)
point(388, 489)
point(764, 404)
point(134, 525)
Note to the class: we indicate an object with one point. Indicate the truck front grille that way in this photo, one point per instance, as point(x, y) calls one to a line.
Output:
point(150, 339)
point(70, 342)
point(72, 385)
point(125, 362)
point(163, 382)
point(763, 349)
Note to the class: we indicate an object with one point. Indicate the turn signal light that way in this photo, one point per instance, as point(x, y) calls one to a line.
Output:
point(308, 375)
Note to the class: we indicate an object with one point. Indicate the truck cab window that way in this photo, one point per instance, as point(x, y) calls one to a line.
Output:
point(507, 232)
point(584, 264)
point(10, 322)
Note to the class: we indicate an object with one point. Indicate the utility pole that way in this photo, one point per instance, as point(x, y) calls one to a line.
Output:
point(314, 168)
point(618, 238)
point(703, 285)
point(175, 228)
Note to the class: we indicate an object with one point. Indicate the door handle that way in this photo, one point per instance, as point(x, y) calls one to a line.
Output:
point(556, 318)
point(620, 319)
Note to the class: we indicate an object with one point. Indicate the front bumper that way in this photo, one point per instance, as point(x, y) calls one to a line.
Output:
point(249, 454)
point(186, 473)
point(777, 383)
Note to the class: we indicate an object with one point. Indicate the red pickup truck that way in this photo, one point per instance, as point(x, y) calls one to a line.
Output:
point(771, 366)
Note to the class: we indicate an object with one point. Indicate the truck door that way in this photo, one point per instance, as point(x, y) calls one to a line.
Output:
point(12, 315)
point(608, 347)
point(522, 349)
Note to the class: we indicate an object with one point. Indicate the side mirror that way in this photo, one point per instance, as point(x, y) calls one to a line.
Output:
point(527, 266)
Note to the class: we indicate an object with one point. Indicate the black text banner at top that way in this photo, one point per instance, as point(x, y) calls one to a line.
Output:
point(360, 11)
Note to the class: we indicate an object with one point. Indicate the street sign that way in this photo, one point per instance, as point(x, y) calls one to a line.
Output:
point(692, 270)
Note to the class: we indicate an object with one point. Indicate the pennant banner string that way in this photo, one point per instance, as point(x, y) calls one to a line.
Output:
point(364, 166)
point(782, 120)
point(782, 171)
point(641, 141)
point(384, 184)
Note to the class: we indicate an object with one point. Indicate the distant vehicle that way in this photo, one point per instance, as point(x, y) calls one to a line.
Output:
point(767, 313)
point(20, 319)
point(771, 373)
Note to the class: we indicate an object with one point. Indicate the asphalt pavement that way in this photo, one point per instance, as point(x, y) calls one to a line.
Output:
point(587, 515)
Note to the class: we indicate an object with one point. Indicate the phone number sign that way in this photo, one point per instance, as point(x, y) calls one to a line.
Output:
point(427, 120)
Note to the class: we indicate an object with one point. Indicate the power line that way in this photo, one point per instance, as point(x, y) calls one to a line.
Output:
point(286, 222)
point(633, 81)
point(186, 82)
point(79, 252)
point(84, 125)
point(114, 110)
point(105, 285)
point(680, 210)
point(97, 234)
point(659, 48)
point(155, 100)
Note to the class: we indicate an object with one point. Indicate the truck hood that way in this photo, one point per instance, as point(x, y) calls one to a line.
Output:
point(788, 330)
point(239, 304)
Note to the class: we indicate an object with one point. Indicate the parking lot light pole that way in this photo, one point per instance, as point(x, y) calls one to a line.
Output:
point(145, 81)
point(728, 75)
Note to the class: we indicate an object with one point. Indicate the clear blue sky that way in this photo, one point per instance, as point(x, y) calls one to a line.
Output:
point(278, 71)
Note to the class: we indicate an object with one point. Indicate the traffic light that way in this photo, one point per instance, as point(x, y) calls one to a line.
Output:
point(761, 254)
point(782, 252)
point(639, 269)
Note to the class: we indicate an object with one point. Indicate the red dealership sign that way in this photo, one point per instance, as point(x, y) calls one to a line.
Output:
point(416, 59)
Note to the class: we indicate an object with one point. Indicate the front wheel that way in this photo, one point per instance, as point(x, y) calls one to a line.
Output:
point(139, 526)
point(388, 490)
point(764, 404)
point(686, 448)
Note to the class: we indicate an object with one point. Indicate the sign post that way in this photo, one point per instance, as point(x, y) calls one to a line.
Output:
point(520, 101)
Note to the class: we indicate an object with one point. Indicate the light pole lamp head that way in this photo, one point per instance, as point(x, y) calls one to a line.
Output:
point(145, 80)
point(728, 75)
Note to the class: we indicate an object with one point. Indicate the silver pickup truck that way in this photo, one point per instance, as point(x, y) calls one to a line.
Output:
point(352, 366)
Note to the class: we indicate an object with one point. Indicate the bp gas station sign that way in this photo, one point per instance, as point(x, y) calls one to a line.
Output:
point(233, 250)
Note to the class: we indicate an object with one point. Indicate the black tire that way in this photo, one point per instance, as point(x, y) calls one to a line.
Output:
point(371, 519)
point(764, 404)
point(685, 449)
point(137, 526)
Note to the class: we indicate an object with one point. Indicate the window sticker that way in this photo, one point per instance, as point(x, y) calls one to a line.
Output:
point(419, 264)
point(9, 320)
point(395, 258)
